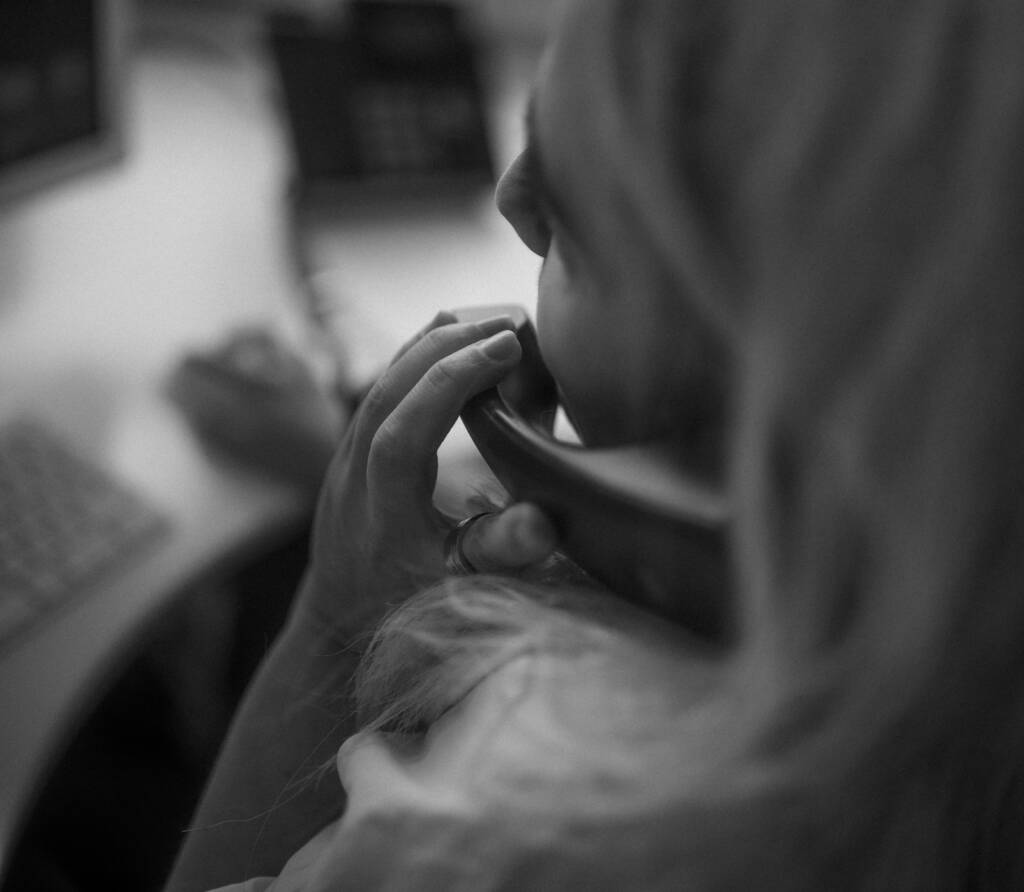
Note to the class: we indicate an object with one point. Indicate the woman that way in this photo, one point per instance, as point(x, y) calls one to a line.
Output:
point(793, 229)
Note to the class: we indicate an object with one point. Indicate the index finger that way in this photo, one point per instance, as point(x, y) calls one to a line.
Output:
point(413, 432)
point(403, 375)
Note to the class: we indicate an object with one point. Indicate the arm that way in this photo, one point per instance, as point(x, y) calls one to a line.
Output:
point(268, 795)
point(377, 539)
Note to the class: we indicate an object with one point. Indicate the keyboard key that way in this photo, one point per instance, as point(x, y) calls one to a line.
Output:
point(63, 521)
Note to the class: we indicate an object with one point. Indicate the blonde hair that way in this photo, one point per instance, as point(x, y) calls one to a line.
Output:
point(440, 644)
point(837, 188)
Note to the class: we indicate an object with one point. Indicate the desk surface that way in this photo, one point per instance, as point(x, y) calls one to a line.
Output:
point(104, 281)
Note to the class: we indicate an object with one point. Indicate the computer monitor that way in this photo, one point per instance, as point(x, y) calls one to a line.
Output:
point(60, 90)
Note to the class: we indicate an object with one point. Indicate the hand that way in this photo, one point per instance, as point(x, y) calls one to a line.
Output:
point(257, 399)
point(378, 537)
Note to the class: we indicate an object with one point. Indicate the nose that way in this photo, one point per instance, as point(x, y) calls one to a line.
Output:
point(517, 201)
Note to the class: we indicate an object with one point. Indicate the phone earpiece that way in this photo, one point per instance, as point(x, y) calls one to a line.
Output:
point(627, 516)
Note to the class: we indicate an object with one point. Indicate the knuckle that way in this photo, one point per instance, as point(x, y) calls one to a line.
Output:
point(449, 337)
point(373, 401)
point(482, 557)
point(483, 544)
point(442, 317)
point(443, 374)
point(437, 338)
point(385, 447)
point(374, 406)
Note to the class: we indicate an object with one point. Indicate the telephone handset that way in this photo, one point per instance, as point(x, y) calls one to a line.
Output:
point(626, 515)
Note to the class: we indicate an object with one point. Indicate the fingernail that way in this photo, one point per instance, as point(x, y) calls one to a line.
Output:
point(502, 346)
point(494, 324)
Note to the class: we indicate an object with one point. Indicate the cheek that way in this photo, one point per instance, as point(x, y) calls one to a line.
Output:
point(556, 314)
point(628, 369)
point(578, 340)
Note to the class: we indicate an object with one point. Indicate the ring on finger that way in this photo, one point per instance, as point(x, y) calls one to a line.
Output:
point(455, 560)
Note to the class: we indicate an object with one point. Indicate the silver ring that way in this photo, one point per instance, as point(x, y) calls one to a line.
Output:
point(455, 560)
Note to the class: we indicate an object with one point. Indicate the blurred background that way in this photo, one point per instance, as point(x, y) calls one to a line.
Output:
point(185, 186)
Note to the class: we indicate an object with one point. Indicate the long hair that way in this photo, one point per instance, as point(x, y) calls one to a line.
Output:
point(836, 190)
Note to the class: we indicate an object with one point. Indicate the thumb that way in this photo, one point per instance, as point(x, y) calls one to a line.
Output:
point(512, 539)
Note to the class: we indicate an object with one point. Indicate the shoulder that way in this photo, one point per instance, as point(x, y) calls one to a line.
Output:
point(555, 769)
point(547, 758)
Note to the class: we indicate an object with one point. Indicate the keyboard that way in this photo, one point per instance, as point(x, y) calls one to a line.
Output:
point(63, 522)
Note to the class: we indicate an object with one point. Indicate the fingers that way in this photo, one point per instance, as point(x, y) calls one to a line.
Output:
point(414, 364)
point(443, 317)
point(515, 538)
point(414, 430)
